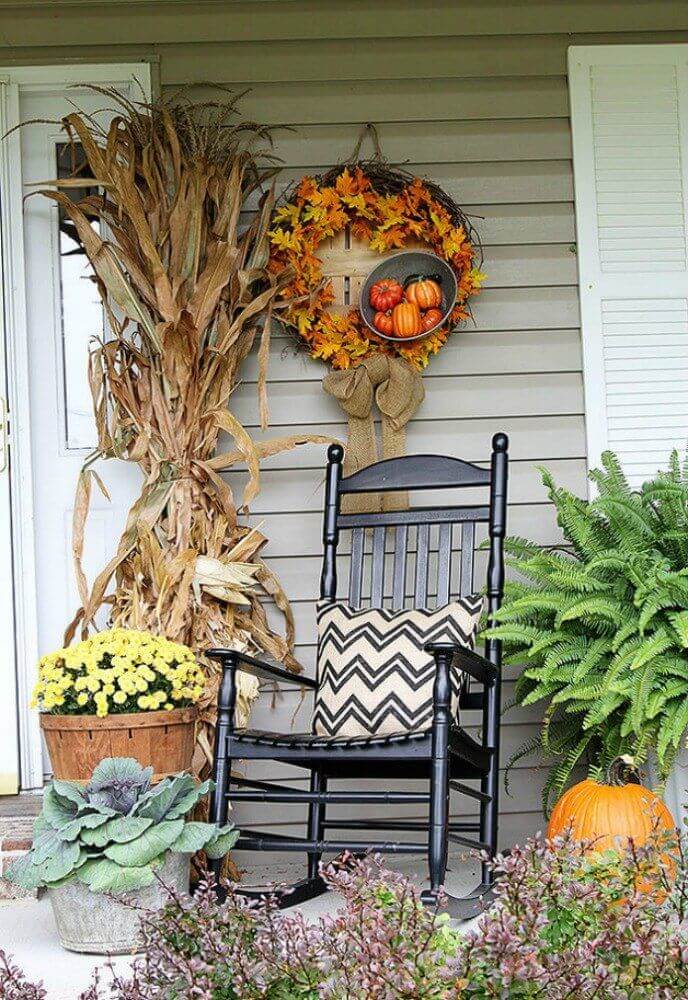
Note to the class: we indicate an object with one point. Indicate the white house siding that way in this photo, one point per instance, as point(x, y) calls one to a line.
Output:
point(472, 94)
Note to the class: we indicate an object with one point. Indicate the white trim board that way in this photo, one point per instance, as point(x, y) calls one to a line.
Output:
point(629, 121)
point(15, 80)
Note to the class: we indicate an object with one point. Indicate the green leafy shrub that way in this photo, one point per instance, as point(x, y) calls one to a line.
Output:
point(604, 627)
point(112, 834)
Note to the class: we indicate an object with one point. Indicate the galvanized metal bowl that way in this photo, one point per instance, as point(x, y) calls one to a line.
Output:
point(401, 267)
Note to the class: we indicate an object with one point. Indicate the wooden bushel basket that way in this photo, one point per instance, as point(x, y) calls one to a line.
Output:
point(161, 740)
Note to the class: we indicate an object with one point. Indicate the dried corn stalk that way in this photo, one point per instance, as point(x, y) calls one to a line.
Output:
point(184, 289)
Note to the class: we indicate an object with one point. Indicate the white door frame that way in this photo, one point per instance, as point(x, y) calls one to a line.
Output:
point(14, 81)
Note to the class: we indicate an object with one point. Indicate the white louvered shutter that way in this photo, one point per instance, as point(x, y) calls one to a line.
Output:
point(629, 111)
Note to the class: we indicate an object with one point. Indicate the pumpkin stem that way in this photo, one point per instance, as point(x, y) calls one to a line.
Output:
point(623, 771)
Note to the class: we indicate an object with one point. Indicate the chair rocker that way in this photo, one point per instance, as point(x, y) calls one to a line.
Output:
point(444, 755)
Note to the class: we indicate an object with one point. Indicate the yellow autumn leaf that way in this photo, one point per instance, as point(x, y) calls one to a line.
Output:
point(287, 213)
point(284, 240)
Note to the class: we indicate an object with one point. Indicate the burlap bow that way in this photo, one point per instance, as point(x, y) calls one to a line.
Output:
point(397, 388)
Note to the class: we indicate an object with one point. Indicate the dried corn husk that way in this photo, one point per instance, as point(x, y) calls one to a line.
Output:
point(186, 291)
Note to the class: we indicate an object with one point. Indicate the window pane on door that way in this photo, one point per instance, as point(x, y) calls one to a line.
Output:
point(81, 311)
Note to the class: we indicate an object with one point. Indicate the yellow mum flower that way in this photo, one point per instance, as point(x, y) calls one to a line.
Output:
point(119, 663)
point(101, 701)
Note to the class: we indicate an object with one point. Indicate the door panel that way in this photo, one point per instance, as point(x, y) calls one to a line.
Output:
point(9, 750)
point(63, 316)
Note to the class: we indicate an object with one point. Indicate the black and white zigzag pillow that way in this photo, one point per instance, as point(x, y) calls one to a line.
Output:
point(374, 676)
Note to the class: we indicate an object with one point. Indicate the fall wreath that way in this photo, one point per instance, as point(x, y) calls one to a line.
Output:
point(388, 209)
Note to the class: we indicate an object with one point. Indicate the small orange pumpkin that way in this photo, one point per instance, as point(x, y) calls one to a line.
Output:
point(611, 813)
point(425, 292)
point(406, 320)
point(382, 322)
point(430, 319)
point(385, 294)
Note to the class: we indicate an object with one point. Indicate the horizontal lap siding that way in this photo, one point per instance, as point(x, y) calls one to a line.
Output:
point(473, 95)
point(503, 150)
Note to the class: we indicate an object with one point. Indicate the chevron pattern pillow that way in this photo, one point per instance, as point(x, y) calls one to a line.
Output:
point(375, 678)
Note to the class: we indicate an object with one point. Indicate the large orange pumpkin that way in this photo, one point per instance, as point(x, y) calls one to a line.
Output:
point(406, 320)
point(611, 813)
point(425, 292)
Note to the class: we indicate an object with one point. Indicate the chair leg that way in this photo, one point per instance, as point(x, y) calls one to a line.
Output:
point(438, 840)
point(438, 833)
point(489, 818)
point(316, 818)
point(222, 769)
point(489, 811)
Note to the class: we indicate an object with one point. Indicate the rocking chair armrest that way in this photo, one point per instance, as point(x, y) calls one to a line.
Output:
point(472, 663)
point(234, 659)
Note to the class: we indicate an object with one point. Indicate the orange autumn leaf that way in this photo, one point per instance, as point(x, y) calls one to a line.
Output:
point(306, 189)
point(326, 197)
point(346, 185)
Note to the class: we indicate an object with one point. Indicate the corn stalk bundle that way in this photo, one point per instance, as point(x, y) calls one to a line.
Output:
point(185, 291)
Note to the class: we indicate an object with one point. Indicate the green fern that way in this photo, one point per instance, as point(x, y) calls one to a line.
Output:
point(604, 629)
point(679, 623)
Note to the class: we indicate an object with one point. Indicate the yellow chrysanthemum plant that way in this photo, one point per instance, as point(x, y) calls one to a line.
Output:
point(116, 672)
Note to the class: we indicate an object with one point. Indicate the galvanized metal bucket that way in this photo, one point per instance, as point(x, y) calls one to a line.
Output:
point(401, 266)
point(102, 924)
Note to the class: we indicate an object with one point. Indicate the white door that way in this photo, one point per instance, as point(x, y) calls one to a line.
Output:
point(63, 314)
point(9, 745)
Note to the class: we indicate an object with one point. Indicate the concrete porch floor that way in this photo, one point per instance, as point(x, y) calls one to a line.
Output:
point(27, 931)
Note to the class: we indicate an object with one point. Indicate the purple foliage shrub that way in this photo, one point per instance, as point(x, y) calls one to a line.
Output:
point(567, 925)
point(14, 984)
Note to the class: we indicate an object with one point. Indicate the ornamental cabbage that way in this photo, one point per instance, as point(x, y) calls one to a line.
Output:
point(113, 834)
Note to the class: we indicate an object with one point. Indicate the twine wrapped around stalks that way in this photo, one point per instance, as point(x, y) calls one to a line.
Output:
point(185, 289)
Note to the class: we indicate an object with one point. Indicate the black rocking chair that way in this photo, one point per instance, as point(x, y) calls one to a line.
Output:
point(445, 756)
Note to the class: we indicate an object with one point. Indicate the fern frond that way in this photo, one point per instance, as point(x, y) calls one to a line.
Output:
point(514, 545)
point(595, 688)
point(595, 653)
point(561, 774)
point(653, 605)
point(630, 520)
point(679, 623)
point(521, 635)
point(602, 709)
point(640, 696)
point(653, 646)
point(610, 479)
point(527, 749)
point(590, 608)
